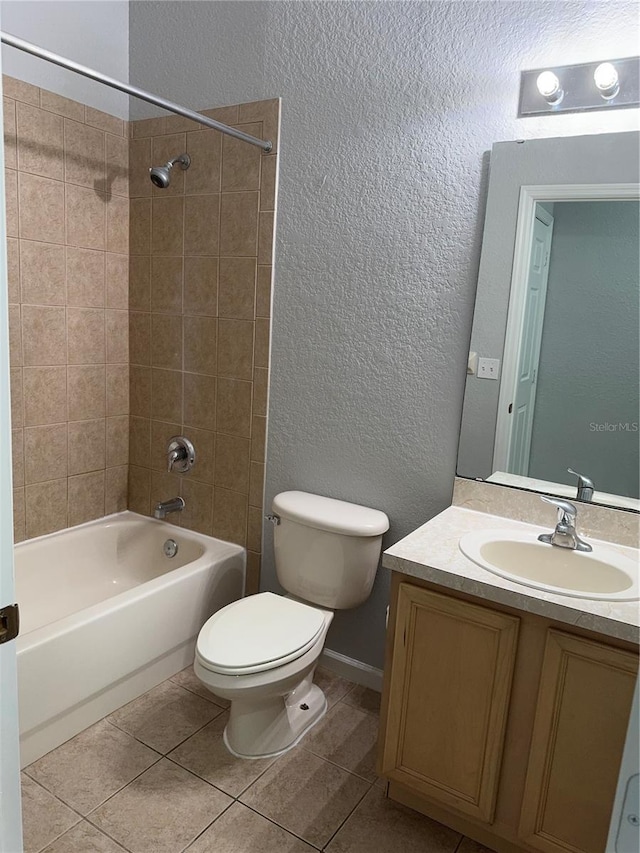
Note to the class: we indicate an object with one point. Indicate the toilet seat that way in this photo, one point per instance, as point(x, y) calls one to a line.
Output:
point(258, 633)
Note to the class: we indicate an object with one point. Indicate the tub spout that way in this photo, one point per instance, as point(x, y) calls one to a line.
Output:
point(163, 508)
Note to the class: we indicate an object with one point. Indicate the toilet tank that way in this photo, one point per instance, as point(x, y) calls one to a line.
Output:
point(326, 550)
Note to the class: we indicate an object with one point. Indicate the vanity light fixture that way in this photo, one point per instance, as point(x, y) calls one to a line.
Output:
point(610, 85)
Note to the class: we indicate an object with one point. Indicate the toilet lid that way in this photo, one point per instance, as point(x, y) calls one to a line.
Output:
point(258, 633)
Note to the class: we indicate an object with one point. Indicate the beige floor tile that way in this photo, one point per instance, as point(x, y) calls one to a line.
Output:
point(189, 680)
point(44, 817)
point(468, 845)
point(162, 811)
point(346, 737)
point(333, 687)
point(364, 699)
point(239, 830)
point(306, 795)
point(92, 766)
point(206, 755)
point(386, 827)
point(165, 716)
point(84, 838)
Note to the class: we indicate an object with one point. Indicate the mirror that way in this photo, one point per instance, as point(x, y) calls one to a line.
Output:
point(553, 373)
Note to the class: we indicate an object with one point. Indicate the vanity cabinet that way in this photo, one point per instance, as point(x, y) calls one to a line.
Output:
point(504, 725)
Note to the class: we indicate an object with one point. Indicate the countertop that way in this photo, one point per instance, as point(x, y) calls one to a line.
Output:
point(431, 553)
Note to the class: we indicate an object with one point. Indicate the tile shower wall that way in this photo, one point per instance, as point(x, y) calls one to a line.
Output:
point(68, 242)
point(200, 295)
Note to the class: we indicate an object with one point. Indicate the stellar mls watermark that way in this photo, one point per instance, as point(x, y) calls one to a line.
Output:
point(620, 426)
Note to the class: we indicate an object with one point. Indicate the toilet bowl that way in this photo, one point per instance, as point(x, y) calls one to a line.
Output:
point(260, 652)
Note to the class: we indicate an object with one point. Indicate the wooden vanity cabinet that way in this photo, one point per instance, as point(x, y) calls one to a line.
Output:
point(502, 724)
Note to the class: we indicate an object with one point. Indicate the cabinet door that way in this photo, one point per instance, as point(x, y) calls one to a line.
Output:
point(449, 692)
point(580, 727)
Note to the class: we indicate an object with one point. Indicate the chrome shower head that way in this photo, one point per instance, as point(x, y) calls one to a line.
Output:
point(161, 175)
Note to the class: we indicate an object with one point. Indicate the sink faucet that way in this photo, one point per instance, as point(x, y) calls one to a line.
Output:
point(585, 486)
point(163, 508)
point(565, 534)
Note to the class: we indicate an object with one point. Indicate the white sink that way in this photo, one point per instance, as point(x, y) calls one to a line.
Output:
point(602, 574)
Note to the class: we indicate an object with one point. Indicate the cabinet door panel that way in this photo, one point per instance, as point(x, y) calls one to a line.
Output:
point(578, 737)
point(450, 684)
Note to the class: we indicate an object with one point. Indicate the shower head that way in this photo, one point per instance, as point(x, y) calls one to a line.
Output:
point(161, 175)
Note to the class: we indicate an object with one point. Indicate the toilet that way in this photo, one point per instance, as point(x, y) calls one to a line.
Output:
point(260, 652)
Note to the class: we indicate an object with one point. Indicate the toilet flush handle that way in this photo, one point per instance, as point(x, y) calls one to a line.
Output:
point(273, 518)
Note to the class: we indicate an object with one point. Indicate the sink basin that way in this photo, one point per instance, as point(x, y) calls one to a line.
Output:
point(602, 574)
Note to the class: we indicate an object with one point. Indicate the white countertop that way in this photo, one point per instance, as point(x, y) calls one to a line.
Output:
point(431, 553)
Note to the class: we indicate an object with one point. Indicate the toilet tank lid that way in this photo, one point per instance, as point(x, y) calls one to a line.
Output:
point(330, 514)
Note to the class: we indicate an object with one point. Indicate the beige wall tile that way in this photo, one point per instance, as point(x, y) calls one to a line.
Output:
point(163, 149)
point(117, 332)
point(86, 497)
point(117, 164)
point(225, 115)
point(260, 390)
point(149, 127)
point(117, 281)
point(258, 438)
point(20, 91)
point(233, 409)
point(237, 288)
point(42, 270)
point(205, 149)
point(45, 395)
point(104, 121)
point(139, 337)
point(166, 395)
point(18, 515)
point(140, 162)
point(139, 283)
point(166, 341)
point(13, 269)
point(11, 202)
point(86, 335)
point(269, 168)
point(239, 224)
point(230, 516)
point(201, 286)
point(200, 401)
point(263, 292)
point(265, 238)
point(261, 343)
point(10, 152)
point(198, 511)
point(40, 143)
point(140, 226)
point(204, 443)
point(15, 336)
point(166, 284)
point(161, 433)
point(117, 224)
point(117, 402)
point(115, 489)
point(232, 463)
point(268, 112)
point(118, 441)
point(235, 349)
point(41, 202)
point(139, 490)
point(17, 402)
point(87, 442)
point(86, 391)
point(179, 124)
point(17, 456)
point(44, 337)
point(45, 507)
point(200, 339)
point(140, 391)
point(84, 155)
point(140, 442)
point(241, 162)
point(45, 453)
point(86, 217)
point(61, 106)
point(201, 224)
point(252, 584)
point(163, 487)
point(85, 277)
point(254, 530)
point(167, 221)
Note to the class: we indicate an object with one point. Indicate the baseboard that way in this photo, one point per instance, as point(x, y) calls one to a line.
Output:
point(352, 670)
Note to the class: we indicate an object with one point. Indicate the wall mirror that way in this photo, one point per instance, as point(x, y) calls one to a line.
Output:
point(553, 378)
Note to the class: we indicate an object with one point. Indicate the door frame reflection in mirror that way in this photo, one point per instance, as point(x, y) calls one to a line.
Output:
point(530, 197)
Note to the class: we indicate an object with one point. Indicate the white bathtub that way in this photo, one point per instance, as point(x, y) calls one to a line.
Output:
point(105, 616)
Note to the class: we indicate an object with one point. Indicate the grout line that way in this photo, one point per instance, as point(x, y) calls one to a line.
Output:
point(279, 825)
point(349, 815)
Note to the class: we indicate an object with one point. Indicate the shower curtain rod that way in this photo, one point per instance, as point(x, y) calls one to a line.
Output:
point(47, 55)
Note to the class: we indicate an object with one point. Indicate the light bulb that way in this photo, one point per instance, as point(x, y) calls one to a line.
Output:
point(606, 79)
point(549, 87)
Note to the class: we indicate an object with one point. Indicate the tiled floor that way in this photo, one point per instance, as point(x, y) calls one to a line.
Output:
point(155, 777)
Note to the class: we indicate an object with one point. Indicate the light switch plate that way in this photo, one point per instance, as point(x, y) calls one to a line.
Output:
point(488, 368)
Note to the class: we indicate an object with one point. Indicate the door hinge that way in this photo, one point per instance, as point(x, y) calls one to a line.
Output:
point(9, 623)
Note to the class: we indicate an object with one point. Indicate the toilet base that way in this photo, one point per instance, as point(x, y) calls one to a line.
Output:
point(269, 728)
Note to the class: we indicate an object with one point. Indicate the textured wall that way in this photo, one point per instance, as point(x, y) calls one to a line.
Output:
point(588, 369)
point(388, 110)
point(93, 33)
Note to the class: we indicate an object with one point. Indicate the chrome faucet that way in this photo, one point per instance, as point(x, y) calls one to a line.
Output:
point(181, 454)
point(585, 486)
point(163, 508)
point(565, 534)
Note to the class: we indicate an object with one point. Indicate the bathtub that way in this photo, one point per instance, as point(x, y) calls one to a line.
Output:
point(106, 615)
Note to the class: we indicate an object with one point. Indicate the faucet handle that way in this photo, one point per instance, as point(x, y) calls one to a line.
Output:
point(181, 454)
point(566, 511)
